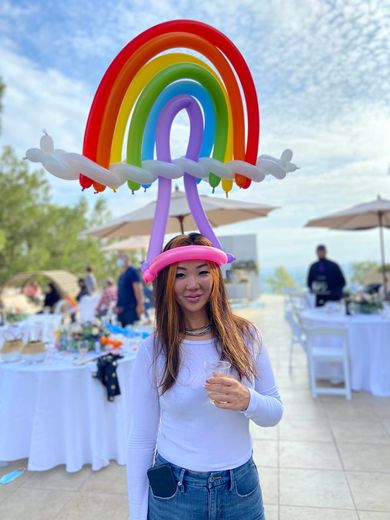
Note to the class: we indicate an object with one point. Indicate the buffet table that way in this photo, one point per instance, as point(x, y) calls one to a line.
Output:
point(55, 412)
point(369, 344)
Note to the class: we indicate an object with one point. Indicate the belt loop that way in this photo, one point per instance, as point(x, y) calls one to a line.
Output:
point(181, 478)
point(231, 480)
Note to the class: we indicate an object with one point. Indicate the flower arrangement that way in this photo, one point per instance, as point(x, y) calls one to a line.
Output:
point(364, 303)
point(15, 315)
point(86, 334)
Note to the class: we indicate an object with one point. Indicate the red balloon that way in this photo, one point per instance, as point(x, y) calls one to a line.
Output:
point(85, 182)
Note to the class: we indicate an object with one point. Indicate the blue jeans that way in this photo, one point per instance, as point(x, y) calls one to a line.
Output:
point(218, 495)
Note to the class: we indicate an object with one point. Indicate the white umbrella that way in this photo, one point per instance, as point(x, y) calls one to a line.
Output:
point(369, 215)
point(130, 244)
point(219, 212)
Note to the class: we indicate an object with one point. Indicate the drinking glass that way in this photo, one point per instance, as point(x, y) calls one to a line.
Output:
point(83, 347)
point(216, 368)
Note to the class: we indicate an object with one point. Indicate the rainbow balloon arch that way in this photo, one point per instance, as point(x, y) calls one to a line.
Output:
point(143, 90)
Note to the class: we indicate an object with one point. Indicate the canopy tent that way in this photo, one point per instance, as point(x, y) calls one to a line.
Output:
point(65, 281)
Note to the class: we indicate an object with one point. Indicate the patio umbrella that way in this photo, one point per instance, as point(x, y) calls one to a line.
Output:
point(130, 244)
point(369, 215)
point(219, 212)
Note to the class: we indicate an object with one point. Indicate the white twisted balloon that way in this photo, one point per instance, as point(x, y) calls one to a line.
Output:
point(69, 166)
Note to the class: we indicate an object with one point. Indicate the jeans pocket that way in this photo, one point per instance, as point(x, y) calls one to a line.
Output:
point(165, 499)
point(247, 483)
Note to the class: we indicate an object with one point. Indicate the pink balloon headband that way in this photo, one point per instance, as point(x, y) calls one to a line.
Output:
point(183, 254)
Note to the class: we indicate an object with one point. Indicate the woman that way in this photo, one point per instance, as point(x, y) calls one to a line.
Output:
point(82, 289)
point(108, 298)
point(52, 297)
point(199, 429)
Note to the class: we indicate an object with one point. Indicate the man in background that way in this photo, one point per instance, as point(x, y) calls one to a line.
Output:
point(90, 281)
point(130, 302)
point(325, 279)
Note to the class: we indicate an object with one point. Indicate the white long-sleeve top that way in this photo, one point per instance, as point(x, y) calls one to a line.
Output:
point(186, 428)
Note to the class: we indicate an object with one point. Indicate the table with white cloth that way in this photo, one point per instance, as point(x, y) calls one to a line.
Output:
point(369, 347)
point(56, 412)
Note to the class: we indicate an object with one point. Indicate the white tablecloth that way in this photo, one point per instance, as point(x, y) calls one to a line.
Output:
point(56, 413)
point(369, 344)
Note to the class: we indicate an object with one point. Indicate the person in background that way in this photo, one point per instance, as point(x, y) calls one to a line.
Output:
point(90, 281)
point(108, 297)
point(325, 278)
point(32, 292)
point(189, 429)
point(52, 296)
point(83, 289)
point(130, 301)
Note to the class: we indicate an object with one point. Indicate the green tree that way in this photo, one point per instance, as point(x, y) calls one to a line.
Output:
point(36, 234)
point(2, 87)
point(280, 280)
point(361, 269)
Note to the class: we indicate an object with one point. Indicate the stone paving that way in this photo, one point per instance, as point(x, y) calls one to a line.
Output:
point(329, 458)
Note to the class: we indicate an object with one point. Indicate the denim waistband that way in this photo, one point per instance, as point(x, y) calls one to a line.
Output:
point(210, 478)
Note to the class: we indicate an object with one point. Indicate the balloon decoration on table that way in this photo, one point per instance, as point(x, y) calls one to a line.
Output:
point(145, 87)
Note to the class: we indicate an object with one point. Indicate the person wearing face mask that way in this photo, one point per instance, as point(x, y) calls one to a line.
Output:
point(130, 301)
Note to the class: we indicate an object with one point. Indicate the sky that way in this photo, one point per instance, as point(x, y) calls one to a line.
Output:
point(322, 74)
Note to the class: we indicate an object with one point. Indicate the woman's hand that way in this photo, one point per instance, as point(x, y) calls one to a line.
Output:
point(228, 393)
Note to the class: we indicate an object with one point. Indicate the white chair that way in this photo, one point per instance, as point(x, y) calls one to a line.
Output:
point(328, 344)
point(87, 308)
point(297, 333)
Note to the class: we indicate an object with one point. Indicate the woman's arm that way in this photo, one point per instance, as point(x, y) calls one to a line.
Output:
point(145, 417)
point(265, 406)
point(262, 403)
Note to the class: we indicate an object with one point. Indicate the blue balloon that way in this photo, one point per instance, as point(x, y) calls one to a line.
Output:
point(190, 88)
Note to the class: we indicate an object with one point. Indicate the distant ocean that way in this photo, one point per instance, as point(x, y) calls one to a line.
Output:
point(298, 274)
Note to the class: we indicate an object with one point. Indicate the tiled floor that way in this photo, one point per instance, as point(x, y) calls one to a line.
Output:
point(328, 459)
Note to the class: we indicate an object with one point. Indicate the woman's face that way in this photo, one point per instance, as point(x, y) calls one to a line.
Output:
point(193, 285)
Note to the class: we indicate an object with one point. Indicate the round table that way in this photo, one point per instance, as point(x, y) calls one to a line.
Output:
point(369, 345)
point(56, 412)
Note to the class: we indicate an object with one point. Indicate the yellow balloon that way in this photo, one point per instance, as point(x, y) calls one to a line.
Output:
point(140, 80)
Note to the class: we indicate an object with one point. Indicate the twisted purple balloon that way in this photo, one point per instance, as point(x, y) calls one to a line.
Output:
point(163, 151)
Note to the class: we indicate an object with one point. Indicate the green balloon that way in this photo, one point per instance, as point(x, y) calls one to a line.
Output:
point(134, 186)
point(148, 97)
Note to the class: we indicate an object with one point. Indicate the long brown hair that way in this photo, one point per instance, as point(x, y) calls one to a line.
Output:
point(230, 330)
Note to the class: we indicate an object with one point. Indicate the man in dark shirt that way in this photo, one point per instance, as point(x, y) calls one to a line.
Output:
point(325, 279)
point(130, 303)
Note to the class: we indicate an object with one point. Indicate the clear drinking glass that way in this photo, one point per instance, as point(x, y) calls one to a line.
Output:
point(216, 368)
point(83, 347)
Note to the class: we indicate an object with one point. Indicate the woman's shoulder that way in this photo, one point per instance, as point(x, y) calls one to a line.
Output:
point(253, 339)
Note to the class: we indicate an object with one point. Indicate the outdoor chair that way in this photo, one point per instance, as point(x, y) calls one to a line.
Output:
point(87, 308)
point(328, 344)
point(297, 333)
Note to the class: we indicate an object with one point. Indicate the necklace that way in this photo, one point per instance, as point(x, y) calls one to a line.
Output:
point(201, 331)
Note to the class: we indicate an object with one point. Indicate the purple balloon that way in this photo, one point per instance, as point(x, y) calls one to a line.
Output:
point(163, 152)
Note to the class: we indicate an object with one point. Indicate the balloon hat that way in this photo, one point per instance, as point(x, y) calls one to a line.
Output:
point(143, 90)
